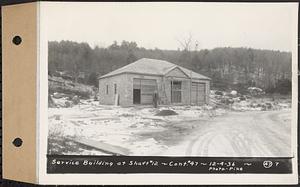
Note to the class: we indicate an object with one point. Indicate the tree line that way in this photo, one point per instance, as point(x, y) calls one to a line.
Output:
point(229, 68)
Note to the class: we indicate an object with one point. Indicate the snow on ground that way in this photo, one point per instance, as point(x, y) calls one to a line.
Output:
point(135, 128)
point(127, 127)
point(239, 134)
point(252, 102)
point(261, 104)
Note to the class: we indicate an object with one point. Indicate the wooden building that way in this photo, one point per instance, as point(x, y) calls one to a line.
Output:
point(136, 83)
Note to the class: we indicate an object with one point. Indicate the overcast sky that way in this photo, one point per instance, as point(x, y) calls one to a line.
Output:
point(161, 25)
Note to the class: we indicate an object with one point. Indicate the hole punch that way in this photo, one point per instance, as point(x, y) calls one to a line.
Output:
point(17, 40)
point(18, 142)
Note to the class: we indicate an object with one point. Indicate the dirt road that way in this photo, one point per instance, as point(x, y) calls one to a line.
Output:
point(239, 134)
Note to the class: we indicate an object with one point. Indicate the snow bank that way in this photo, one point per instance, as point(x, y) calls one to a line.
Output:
point(261, 104)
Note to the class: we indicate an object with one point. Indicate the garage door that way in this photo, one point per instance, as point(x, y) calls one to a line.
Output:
point(147, 87)
point(198, 93)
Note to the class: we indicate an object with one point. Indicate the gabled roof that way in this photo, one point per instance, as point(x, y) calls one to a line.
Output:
point(174, 69)
point(153, 67)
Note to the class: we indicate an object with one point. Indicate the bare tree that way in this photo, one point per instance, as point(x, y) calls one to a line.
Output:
point(186, 43)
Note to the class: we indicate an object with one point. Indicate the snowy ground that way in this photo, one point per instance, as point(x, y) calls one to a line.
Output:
point(240, 134)
point(135, 128)
point(195, 130)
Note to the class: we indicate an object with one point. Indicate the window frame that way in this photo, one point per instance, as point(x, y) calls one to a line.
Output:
point(115, 88)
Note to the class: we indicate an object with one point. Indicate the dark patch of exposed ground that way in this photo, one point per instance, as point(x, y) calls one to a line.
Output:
point(173, 133)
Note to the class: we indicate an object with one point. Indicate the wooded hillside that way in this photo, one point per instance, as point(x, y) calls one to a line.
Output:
point(229, 68)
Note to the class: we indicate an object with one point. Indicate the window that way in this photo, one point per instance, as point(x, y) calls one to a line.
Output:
point(176, 91)
point(107, 89)
point(115, 88)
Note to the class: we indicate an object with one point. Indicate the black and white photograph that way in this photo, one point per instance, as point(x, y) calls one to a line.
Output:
point(150, 93)
point(170, 79)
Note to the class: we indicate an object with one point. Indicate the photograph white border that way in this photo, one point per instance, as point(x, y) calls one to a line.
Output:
point(149, 179)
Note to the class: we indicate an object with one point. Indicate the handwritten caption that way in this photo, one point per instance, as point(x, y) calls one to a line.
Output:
point(135, 164)
point(212, 166)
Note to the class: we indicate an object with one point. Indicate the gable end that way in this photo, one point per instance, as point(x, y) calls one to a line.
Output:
point(176, 72)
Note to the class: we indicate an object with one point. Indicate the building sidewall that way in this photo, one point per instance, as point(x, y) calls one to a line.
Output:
point(125, 89)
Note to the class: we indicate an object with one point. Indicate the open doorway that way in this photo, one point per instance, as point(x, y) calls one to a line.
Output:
point(136, 96)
